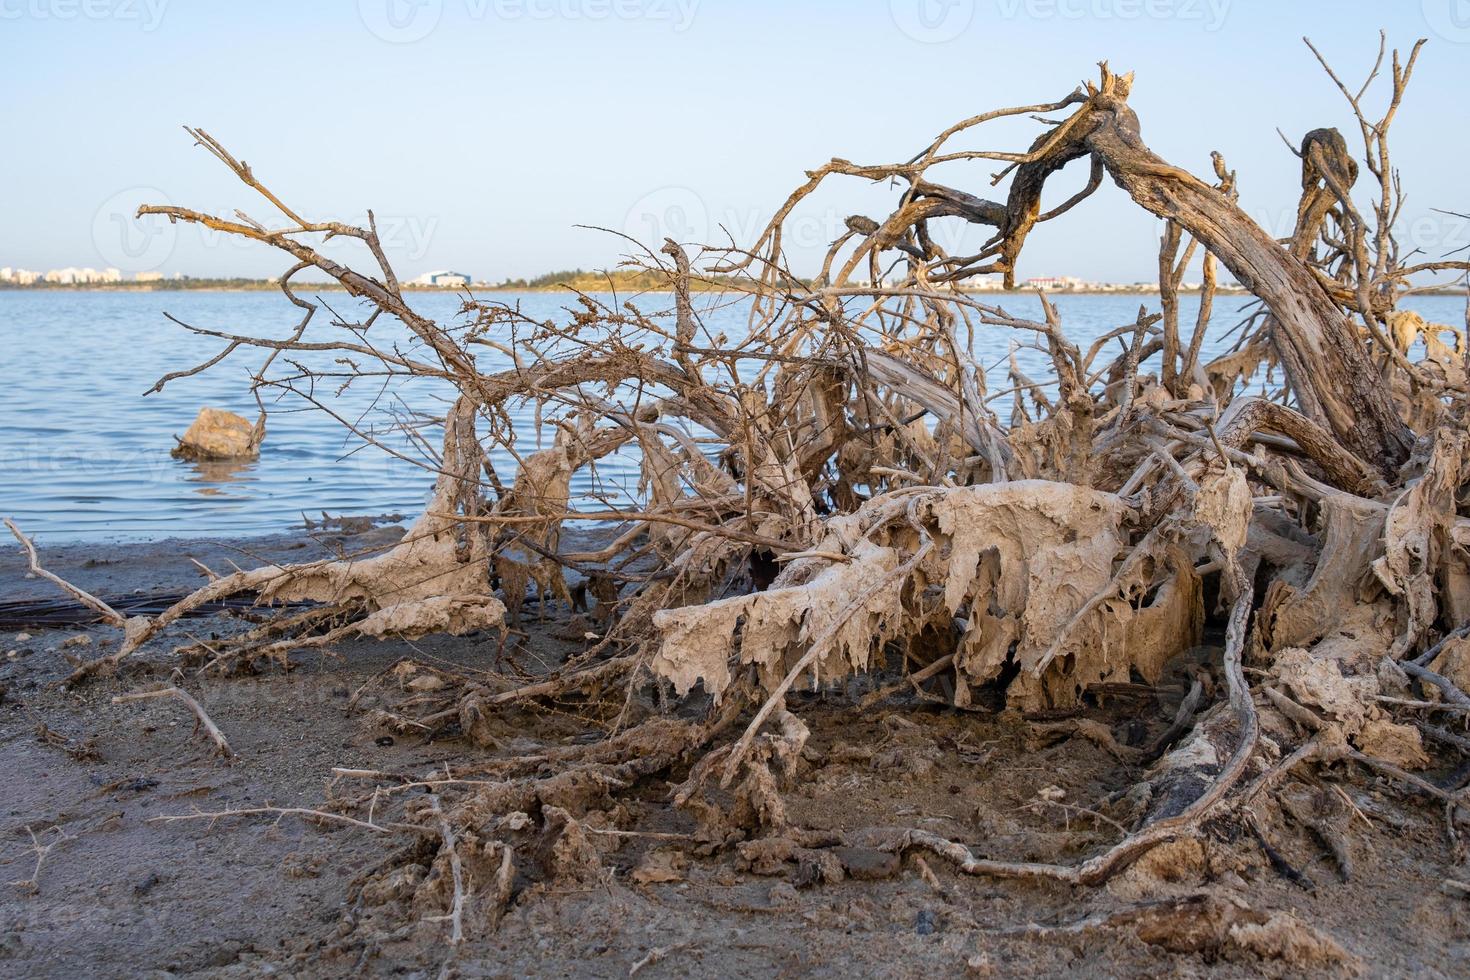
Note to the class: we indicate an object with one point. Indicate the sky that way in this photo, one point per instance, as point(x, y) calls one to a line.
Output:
point(485, 133)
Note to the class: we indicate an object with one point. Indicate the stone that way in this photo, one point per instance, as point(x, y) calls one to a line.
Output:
point(866, 863)
point(217, 434)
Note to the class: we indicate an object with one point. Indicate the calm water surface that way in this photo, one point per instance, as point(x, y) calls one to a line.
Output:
point(84, 455)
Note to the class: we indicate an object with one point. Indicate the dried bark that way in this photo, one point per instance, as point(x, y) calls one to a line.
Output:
point(916, 532)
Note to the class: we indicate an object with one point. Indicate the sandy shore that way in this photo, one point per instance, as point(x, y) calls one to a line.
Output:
point(109, 569)
point(118, 893)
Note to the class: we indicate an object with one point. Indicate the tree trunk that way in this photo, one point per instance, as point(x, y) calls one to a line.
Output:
point(1326, 363)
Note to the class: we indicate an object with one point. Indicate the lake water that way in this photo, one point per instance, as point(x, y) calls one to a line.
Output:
point(85, 456)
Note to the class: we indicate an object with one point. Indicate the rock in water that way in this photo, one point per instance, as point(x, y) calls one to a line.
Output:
point(217, 434)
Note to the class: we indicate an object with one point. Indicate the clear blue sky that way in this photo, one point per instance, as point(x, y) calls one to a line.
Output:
point(483, 131)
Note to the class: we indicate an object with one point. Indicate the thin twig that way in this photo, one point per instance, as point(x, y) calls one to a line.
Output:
point(201, 717)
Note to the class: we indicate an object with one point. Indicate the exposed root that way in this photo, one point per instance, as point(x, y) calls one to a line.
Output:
point(305, 813)
point(1098, 869)
point(834, 493)
point(42, 849)
point(201, 718)
point(450, 847)
point(435, 580)
point(132, 627)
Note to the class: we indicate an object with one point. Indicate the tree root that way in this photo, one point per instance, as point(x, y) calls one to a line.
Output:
point(450, 847)
point(867, 500)
point(201, 718)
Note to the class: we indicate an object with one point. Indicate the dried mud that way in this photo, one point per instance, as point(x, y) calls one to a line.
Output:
point(118, 895)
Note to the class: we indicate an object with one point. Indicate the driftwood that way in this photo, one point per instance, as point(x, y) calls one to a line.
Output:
point(870, 512)
point(201, 717)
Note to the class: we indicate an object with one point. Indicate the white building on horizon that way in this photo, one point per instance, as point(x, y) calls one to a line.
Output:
point(1056, 283)
point(443, 277)
point(71, 276)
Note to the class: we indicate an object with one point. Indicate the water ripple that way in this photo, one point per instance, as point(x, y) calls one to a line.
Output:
point(84, 455)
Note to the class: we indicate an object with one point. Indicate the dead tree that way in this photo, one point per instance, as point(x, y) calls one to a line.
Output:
point(1068, 546)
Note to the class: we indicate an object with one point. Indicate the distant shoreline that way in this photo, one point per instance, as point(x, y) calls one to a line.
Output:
point(260, 285)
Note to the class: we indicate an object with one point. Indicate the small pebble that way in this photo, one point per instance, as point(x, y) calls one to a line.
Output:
point(924, 923)
point(22, 637)
point(80, 640)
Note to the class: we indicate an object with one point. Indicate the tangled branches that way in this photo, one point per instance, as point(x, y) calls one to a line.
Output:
point(832, 492)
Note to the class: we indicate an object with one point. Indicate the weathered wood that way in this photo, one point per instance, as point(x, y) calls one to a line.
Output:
point(1328, 367)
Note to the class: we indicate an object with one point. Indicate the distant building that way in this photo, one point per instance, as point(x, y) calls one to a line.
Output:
point(1055, 283)
point(72, 276)
point(444, 277)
